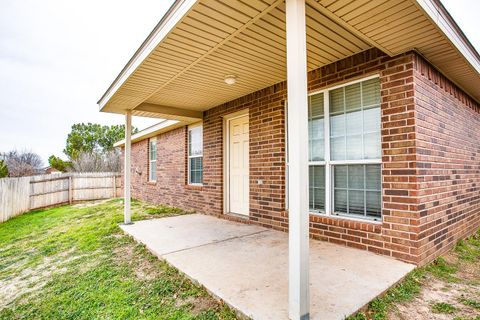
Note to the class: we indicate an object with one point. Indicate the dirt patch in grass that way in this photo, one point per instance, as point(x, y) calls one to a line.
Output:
point(87, 204)
point(31, 278)
point(143, 268)
point(446, 289)
point(197, 305)
point(438, 300)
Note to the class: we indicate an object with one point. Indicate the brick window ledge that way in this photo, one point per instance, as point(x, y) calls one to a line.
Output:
point(193, 187)
point(344, 222)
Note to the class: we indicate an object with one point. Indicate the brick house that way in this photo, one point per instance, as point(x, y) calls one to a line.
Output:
point(380, 152)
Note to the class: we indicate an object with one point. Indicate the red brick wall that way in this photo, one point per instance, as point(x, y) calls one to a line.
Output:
point(171, 168)
point(267, 153)
point(401, 234)
point(393, 237)
point(448, 162)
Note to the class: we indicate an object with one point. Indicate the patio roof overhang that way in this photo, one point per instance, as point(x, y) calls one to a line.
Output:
point(179, 70)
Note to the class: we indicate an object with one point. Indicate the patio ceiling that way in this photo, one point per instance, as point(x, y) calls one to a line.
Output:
point(179, 71)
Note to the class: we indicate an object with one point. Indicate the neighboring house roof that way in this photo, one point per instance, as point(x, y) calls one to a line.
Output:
point(163, 126)
point(178, 71)
point(51, 170)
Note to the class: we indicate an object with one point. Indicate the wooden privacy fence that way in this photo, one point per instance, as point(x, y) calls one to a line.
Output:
point(18, 195)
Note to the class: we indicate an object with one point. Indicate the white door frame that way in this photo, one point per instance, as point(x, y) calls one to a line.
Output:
point(226, 157)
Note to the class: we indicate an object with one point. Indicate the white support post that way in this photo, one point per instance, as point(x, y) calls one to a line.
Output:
point(298, 249)
point(127, 171)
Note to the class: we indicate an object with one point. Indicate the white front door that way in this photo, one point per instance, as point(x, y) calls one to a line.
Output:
point(238, 189)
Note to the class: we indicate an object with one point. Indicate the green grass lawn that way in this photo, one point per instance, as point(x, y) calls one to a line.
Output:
point(448, 288)
point(74, 262)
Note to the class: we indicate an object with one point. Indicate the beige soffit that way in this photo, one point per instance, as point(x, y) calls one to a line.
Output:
point(179, 70)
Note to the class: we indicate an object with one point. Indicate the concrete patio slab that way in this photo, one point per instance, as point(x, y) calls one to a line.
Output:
point(167, 235)
point(247, 266)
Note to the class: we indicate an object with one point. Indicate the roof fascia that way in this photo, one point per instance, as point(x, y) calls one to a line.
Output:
point(176, 12)
point(165, 125)
point(447, 25)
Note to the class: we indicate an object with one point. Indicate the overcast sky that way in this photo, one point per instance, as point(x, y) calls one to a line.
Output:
point(57, 57)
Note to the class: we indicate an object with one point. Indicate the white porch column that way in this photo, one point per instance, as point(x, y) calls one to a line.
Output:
point(298, 248)
point(127, 170)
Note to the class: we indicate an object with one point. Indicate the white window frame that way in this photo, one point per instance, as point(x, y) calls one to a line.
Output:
point(328, 163)
point(190, 127)
point(152, 163)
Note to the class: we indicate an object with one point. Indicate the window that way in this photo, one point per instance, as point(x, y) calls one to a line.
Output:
point(357, 190)
point(345, 150)
point(195, 154)
point(316, 146)
point(355, 121)
point(152, 159)
point(317, 188)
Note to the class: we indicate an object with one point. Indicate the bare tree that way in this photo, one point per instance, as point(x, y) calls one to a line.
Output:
point(112, 161)
point(108, 161)
point(23, 163)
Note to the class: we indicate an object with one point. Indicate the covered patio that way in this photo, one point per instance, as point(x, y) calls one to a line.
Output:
point(205, 53)
point(247, 266)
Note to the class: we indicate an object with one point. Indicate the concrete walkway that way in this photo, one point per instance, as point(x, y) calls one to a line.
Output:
point(247, 266)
